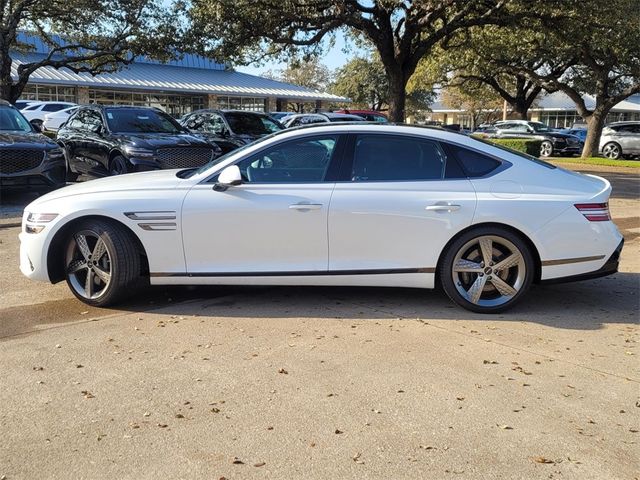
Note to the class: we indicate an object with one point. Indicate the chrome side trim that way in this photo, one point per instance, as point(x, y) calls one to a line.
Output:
point(564, 261)
point(295, 273)
point(153, 215)
point(158, 226)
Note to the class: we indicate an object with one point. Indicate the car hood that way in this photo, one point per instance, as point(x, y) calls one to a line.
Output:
point(159, 140)
point(154, 180)
point(30, 139)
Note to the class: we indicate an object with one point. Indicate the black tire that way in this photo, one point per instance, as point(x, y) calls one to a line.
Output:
point(491, 300)
point(119, 165)
point(612, 150)
point(120, 260)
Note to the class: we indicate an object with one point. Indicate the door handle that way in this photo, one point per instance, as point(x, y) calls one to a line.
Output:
point(443, 208)
point(306, 206)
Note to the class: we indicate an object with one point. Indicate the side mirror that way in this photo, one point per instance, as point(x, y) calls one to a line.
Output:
point(37, 126)
point(228, 177)
point(96, 129)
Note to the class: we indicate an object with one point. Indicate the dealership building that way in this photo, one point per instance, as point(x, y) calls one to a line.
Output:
point(556, 110)
point(177, 87)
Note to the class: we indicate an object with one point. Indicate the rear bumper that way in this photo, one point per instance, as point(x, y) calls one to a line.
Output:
point(610, 267)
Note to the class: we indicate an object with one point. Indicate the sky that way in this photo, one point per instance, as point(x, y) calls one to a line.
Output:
point(333, 58)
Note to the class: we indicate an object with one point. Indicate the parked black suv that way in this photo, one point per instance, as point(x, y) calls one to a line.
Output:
point(553, 143)
point(27, 158)
point(230, 129)
point(102, 140)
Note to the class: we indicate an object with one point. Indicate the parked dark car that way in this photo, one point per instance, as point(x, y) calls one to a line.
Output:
point(343, 117)
point(27, 158)
point(553, 143)
point(230, 129)
point(112, 140)
point(368, 115)
point(581, 133)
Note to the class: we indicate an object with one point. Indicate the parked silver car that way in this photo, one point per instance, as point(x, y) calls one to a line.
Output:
point(620, 139)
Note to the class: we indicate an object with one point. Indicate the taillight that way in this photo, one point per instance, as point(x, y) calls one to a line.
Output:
point(594, 212)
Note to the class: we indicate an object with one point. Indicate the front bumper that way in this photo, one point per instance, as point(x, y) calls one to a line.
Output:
point(567, 149)
point(610, 267)
point(50, 173)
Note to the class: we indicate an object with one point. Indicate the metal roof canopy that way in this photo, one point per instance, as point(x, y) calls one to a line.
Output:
point(170, 78)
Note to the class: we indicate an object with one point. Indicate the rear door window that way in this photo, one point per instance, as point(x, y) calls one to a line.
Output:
point(389, 158)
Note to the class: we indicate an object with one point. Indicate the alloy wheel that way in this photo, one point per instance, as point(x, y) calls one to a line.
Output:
point(611, 150)
point(488, 271)
point(546, 149)
point(88, 265)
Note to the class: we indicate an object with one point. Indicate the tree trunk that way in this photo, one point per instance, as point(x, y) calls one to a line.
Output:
point(8, 91)
point(397, 96)
point(595, 122)
point(520, 110)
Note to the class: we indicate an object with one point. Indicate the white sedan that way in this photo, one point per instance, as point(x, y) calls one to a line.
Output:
point(344, 204)
point(53, 120)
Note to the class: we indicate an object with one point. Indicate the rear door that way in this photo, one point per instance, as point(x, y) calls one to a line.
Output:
point(395, 209)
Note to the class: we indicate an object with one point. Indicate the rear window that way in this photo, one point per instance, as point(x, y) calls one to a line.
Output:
point(475, 164)
point(516, 152)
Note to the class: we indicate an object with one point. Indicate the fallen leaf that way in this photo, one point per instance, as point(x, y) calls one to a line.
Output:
point(489, 362)
point(179, 415)
point(38, 369)
point(237, 461)
point(259, 464)
point(87, 394)
point(163, 425)
point(338, 432)
point(542, 460)
point(505, 427)
point(460, 398)
point(283, 371)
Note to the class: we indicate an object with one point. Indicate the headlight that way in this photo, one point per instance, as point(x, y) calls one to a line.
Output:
point(55, 153)
point(139, 152)
point(39, 219)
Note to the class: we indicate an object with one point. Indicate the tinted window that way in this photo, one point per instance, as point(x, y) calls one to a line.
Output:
point(12, 120)
point(53, 107)
point(206, 122)
point(474, 163)
point(388, 158)
point(251, 124)
point(140, 120)
point(32, 107)
point(293, 162)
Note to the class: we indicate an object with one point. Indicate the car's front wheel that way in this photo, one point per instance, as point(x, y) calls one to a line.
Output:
point(118, 165)
point(487, 270)
point(102, 262)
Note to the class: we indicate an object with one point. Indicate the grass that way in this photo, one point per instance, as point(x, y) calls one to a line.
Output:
point(605, 162)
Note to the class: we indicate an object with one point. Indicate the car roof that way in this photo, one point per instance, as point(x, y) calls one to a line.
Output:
point(226, 110)
point(627, 122)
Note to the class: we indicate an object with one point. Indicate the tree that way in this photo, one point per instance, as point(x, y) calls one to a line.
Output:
point(470, 55)
point(592, 48)
point(309, 73)
point(403, 32)
point(477, 99)
point(365, 82)
point(91, 36)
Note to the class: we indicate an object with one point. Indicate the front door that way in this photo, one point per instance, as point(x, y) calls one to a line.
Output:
point(275, 222)
point(398, 209)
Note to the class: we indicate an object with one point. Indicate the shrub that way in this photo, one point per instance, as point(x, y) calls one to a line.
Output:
point(525, 145)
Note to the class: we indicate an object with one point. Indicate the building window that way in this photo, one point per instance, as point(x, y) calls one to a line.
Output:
point(560, 119)
point(175, 105)
point(242, 103)
point(49, 93)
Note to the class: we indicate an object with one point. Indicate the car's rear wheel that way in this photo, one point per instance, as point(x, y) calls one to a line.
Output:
point(546, 148)
point(487, 270)
point(612, 150)
point(119, 165)
point(102, 262)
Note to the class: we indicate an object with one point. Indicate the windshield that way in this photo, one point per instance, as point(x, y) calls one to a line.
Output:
point(12, 120)
point(140, 120)
point(251, 124)
point(540, 127)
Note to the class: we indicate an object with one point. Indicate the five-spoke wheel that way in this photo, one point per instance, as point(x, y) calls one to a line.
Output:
point(102, 262)
point(612, 150)
point(487, 270)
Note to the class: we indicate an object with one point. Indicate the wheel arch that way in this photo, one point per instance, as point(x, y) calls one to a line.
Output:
point(55, 252)
point(519, 233)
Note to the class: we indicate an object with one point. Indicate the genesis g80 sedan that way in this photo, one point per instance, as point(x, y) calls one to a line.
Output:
point(342, 204)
